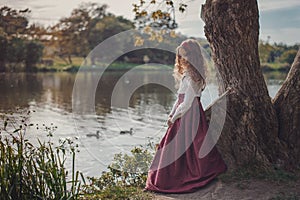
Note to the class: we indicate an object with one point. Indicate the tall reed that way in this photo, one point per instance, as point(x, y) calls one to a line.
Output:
point(30, 171)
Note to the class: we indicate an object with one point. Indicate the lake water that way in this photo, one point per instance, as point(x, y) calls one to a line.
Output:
point(119, 104)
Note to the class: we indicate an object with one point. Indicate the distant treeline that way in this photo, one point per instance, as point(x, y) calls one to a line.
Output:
point(24, 45)
point(277, 55)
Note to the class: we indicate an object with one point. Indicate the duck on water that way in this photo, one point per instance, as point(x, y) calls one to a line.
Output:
point(127, 132)
point(97, 134)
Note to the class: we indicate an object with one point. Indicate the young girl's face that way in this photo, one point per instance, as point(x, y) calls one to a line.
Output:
point(183, 63)
point(182, 55)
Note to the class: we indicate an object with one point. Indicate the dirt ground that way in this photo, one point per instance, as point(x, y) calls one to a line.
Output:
point(241, 190)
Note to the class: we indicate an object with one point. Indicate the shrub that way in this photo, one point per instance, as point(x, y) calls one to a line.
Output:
point(125, 178)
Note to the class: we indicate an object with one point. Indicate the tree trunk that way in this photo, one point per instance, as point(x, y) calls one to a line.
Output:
point(70, 59)
point(2, 66)
point(250, 132)
point(287, 106)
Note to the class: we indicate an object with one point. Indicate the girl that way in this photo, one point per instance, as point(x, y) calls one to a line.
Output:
point(176, 167)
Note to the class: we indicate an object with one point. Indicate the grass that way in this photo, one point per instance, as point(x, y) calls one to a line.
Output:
point(78, 62)
point(59, 65)
point(276, 66)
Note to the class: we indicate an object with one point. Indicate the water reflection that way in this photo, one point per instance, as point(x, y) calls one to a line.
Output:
point(111, 81)
point(17, 90)
point(120, 89)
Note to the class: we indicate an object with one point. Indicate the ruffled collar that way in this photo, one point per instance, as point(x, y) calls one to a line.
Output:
point(185, 73)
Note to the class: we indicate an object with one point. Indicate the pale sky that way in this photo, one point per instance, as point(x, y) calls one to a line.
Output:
point(278, 19)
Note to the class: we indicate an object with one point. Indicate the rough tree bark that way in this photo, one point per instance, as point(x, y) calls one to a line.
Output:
point(250, 133)
point(287, 106)
point(2, 66)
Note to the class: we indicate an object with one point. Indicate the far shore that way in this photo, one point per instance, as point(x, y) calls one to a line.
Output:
point(120, 66)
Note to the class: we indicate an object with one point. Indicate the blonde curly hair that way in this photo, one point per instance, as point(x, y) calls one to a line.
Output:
point(189, 59)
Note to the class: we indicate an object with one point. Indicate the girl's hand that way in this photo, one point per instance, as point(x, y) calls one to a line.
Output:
point(169, 122)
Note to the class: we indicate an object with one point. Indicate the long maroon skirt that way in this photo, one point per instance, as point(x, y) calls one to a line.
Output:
point(176, 167)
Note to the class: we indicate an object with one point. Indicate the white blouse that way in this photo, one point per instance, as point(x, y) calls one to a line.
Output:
point(190, 89)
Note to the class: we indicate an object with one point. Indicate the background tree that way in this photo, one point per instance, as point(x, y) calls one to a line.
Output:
point(279, 53)
point(33, 54)
point(13, 22)
point(3, 52)
point(15, 51)
point(37, 32)
point(103, 28)
point(16, 43)
point(68, 36)
point(87, 26)
point(266, 52)
point(288, 56)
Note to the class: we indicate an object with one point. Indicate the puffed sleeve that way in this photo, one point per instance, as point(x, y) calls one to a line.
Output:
point(189, 96)
point(173, 108)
